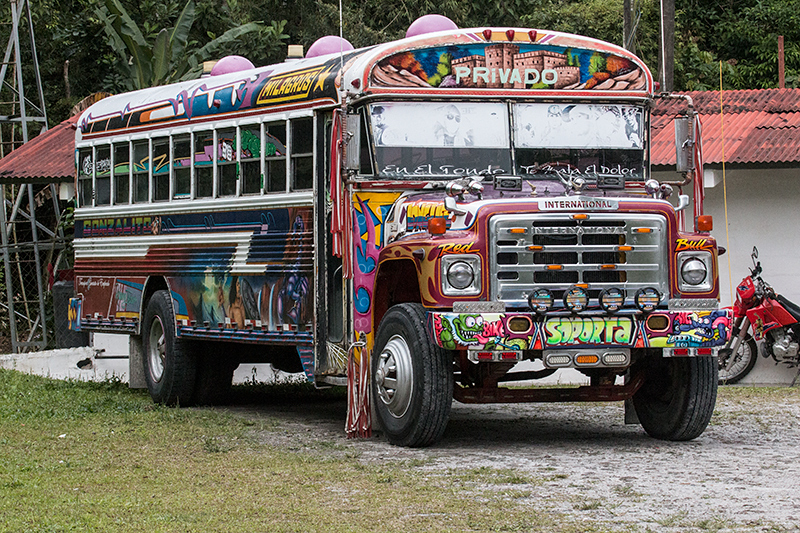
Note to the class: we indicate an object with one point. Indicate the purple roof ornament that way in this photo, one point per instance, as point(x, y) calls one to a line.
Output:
point(330, 44)
point(230, 64)
point(430, 24)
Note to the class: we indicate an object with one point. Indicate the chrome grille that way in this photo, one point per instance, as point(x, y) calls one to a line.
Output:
point(554, 251)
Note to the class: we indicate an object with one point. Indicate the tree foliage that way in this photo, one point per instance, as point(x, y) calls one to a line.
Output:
point(170, 56)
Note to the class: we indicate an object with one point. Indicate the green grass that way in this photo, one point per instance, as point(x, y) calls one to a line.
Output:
point(100, 457)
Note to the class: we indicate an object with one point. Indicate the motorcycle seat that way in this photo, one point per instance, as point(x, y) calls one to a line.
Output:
point(792, 308)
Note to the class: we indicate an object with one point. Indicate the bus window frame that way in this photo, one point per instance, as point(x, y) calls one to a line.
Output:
point(291, 156)
point(285, 120)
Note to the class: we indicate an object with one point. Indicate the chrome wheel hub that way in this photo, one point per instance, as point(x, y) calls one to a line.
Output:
point(394, 378)
point(156, 350)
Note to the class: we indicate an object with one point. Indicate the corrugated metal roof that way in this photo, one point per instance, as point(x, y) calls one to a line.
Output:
point(757, 126)
point(48, 157)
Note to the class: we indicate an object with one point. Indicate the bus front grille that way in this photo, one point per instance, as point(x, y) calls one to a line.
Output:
point(554, 252)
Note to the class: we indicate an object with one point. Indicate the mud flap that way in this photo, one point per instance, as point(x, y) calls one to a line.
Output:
point(630, 413)
point(136, 363)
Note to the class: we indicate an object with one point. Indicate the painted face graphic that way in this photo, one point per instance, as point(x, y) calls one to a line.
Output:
point(468, 327)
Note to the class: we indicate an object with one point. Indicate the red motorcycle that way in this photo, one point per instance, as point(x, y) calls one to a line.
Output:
point(770, 317)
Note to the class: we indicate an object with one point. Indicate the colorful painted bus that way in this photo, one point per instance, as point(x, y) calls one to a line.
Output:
point(422, 220)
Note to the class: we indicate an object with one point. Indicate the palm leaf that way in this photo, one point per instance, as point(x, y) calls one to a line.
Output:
point(210, 48)
point(161, 57)
point(119, 26)
point(180, 32)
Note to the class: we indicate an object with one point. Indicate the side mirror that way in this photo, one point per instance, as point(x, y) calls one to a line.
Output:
point(683, 145)
point(352, 140)
point(754, 255)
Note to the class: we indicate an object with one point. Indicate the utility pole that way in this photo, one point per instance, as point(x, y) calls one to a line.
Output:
point(628, 26)
point(667, 70)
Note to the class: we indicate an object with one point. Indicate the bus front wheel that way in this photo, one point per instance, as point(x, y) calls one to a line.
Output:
point(677, 399)
point(412, 379)
point(169, 368)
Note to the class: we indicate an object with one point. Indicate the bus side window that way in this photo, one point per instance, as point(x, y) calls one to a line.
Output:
point(181, 166)
point(226, 162)
point(102, 179)
point(275, 152)
point(302, 147)
point(122, 168)
point(141, 165)
point(85, 169)
point(250, 158)
point(203, 164)
point(161, 169)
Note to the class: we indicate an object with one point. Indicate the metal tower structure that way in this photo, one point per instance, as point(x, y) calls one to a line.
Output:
point(21, 234)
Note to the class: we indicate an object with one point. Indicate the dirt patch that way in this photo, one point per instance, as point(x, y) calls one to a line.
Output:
point(580, 459)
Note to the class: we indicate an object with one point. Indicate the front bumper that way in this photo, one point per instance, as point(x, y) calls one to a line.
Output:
point(679, 333)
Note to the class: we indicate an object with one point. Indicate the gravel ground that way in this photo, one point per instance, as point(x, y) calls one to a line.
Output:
point(581, 460)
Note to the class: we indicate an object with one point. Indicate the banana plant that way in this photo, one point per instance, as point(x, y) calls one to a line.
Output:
point(167, 58)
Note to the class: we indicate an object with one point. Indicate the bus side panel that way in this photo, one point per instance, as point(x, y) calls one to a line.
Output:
point(236, 275)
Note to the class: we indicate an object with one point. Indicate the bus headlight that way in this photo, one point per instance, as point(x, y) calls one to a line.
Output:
point(695, 271)
point(461, 274)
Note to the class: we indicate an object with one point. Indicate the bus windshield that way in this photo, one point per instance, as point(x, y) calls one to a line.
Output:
point(436, 139)
point(440, 139)
point(596, 141)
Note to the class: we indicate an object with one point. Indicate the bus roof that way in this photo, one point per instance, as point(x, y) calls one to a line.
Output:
point(465, 62)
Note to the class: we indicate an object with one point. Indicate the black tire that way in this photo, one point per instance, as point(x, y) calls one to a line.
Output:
point(677, 399)
point(214, 374)
point(745, 359)
point(169, 366)
point(412, 379)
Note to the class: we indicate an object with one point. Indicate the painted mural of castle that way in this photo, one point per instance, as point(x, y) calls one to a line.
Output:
point(506, 57)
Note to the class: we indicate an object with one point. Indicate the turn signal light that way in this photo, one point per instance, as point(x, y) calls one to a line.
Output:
point(437, 226)
point(586, 360)
point(705, 223)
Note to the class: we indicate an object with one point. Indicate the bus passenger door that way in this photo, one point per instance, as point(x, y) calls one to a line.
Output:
point(330, 354)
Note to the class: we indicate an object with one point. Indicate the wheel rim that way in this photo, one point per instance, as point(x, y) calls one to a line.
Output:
point(156, 349)
point(394, 377)
point(740, 361)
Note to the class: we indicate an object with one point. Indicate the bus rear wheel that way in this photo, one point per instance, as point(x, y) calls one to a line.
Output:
point(412, 379)
point(678, 397)
point(169, 367)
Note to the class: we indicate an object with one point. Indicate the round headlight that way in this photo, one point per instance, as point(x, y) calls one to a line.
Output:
point(647, 299)
point(612, 300)
point(460, 275)
point(693, 271)
point(540, 300)
point(576, 299)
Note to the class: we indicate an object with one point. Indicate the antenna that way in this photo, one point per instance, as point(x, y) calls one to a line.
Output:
point(341, 36)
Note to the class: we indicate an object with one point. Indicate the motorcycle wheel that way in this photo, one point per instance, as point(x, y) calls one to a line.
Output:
point(744, 361)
